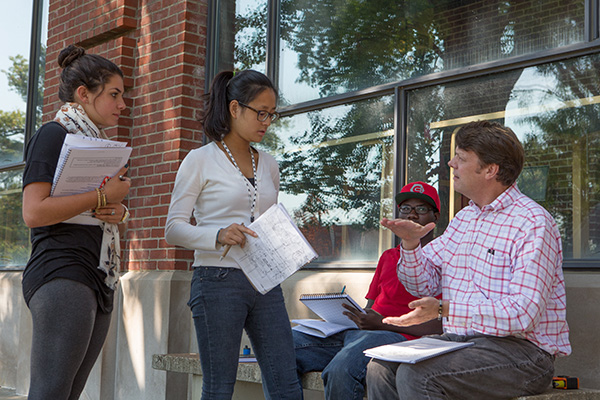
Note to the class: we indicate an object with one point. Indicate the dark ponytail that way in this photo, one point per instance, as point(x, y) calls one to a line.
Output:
point(81, 69)
point(243, 86)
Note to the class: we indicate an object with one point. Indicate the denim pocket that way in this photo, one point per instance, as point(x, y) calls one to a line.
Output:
point(203, 276)
point(211, 274)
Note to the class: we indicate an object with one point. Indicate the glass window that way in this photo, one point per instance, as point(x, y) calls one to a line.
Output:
point(14, 53)
point(329, 47)
point(554, 109)
point(242, 35)
point(14, 235)
point(336, 169)
point(14, 80)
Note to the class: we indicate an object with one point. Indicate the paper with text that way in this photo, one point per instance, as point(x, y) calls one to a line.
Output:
point(413, 351)
point(84, 162)
point(319, 328)
point(279, 250)
point(72, 140)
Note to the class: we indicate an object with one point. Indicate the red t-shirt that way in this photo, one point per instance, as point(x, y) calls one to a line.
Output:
point(391, 299)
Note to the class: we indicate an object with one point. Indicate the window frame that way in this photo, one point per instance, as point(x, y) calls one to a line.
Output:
point(30, 106)
point(34, 70)
point(400, 89)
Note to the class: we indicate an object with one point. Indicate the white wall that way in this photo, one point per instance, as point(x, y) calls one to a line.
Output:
point(151, 317)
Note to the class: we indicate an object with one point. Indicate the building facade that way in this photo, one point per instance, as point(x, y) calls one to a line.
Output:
point(371, 93)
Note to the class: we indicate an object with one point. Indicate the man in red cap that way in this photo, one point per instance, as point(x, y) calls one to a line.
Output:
point(413, 195)
point(340, 356)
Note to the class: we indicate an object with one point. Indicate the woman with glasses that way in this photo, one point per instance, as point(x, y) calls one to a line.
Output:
point(227, 184)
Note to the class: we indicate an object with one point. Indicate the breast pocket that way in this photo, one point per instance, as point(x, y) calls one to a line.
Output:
point(491, 272)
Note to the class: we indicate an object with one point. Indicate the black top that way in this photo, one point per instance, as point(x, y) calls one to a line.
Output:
point(69, 251)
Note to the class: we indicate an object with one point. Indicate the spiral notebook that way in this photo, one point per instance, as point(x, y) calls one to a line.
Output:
point(327, 306)
point(84, 162)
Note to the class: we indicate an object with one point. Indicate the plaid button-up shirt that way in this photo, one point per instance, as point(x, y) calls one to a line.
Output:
point(501, 269)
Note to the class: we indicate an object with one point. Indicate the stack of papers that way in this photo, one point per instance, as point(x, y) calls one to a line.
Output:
point(413, 351)
point(84, 162)
point(319, 328)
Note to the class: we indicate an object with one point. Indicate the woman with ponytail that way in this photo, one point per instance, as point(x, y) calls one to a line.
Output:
point(226, 184)
point(70, 278)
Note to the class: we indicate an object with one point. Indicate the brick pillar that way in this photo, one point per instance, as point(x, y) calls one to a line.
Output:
point(160, 46)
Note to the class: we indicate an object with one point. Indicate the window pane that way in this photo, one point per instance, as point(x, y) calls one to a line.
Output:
point(14, 54)
point(336, 176)
point(242, 35)
point(14, 235)
point(335, 46)
point(14, 76)
point(554, 109)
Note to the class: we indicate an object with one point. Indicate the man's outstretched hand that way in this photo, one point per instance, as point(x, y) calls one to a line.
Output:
point(424, 310)
point(410, 232)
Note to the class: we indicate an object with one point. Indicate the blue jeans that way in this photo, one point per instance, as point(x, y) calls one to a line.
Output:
point(223, 304)
point(493, 368)
point(341, 359)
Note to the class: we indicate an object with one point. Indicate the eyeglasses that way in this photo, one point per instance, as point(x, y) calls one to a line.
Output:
point(405, 209)
point(262, 115)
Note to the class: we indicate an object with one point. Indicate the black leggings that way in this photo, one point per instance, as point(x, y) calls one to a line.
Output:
point(68, 334)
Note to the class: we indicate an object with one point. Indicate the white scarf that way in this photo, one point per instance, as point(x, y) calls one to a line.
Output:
point(73, 117)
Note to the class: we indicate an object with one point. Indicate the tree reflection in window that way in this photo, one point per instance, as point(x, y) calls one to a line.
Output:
point(336, 176)
point(554, 109)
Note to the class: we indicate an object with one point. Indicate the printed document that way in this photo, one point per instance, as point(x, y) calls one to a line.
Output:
point(84, 162)
point(413, 351)
point(279, 250)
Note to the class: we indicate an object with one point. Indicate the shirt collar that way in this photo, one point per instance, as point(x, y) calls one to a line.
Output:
point(506, 198)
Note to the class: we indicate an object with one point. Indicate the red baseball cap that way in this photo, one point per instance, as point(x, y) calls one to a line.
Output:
point(419, 190)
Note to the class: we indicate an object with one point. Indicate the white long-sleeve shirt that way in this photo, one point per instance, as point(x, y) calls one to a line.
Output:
point(211, 187)
point(500, 267)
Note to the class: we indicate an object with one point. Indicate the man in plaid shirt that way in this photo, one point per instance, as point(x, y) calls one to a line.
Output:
point(498, 266)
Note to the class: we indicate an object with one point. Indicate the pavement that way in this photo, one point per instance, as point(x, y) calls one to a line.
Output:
point(9, 394)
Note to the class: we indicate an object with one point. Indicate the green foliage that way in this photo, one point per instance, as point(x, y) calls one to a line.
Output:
point(251, 38)
point(339, 180)
point(346, 45)
point(354, 44)
point(14, 235)
point(11, 136)
point(565, 131)
point(17, 75)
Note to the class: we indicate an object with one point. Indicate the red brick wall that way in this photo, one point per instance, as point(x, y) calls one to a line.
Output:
point(160, 45)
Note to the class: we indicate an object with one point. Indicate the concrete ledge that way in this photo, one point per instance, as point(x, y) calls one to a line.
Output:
point(560, 394)
point(250, 372)
point(189, 363)
point(10, 394)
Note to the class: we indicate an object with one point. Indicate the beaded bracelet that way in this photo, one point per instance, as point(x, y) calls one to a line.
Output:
point(440, 310)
